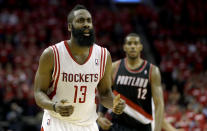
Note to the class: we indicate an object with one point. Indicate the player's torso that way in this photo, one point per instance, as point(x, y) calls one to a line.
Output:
point(76, 82)
point(135, 85)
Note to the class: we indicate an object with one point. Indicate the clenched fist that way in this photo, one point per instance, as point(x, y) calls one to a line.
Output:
point(64, 108)
point(118, 105)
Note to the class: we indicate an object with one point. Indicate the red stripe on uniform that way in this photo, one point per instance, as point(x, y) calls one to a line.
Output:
point(51, 83)
point(56, 81)
point(101, 63)
point(134, 71)
point(42, 129)
point(104, 61)
point(54, 74)
point(134, 106)
point(70, 53)
point(90, 52)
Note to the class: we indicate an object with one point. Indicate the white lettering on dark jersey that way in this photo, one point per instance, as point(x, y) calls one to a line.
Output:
point(137, 81)
point(118, 80)
point(126, 80)
point(141, 82)
point(132, 81)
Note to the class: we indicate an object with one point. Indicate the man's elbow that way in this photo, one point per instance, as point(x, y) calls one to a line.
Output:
point(159, 104)
point(37, 97)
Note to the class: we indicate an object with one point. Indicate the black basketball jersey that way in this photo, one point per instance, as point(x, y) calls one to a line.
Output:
point(134, 87)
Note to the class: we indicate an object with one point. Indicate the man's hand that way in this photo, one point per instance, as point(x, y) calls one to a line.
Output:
point(118, 105)
point(64, 108)
point(104, 123)
point(180, 130)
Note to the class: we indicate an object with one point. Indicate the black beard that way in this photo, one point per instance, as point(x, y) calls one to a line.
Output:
point(81, 39)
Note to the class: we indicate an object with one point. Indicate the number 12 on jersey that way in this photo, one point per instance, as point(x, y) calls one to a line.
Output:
point(82, 98)
point(142, 93)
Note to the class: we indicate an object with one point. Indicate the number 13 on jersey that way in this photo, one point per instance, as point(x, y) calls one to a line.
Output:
point(82, 98)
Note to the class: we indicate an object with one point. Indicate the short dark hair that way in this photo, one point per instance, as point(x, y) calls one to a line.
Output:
point(131, 34)
point(71, 13)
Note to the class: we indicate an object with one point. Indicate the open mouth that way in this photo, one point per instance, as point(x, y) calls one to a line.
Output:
point(86, 33)
point(132, 51)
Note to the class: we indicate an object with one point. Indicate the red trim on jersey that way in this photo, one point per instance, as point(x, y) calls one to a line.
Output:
point(68, 49)
point(42, 129)
point(54, 74)
point(101, 63)
point(115, 71)
point(51, 83)
point(134, 71)
point(150, 72)
point(134, 106)
point(56, 81)
point(104, 61)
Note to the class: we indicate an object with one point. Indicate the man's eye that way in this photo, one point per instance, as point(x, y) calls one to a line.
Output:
point(89, 20)
point(81, 20)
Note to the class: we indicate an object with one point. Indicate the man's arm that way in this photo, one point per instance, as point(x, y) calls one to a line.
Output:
point(157, 95)
point(43, 78)
point(104, 87)
point(106, 96)
point(103, 122)
point(168, 127)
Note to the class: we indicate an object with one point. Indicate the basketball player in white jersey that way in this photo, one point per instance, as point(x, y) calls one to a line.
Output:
point(68, 76)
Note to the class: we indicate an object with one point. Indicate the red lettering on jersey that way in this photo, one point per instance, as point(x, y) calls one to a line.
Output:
point(70, 77)
point(95, 77)
point(86, 77)
point(81, 77)
point(75, 78)
point(64, 76)
point(91, 77)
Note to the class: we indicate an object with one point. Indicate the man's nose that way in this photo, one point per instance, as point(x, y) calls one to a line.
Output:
point(86, 25)
point(133, 45)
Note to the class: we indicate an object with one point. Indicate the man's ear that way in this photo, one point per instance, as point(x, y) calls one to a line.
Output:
point(141, 48)
point(124, 48)
point(69, 27)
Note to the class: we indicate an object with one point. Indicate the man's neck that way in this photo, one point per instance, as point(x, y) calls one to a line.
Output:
point(76, 49)
point(134, 63)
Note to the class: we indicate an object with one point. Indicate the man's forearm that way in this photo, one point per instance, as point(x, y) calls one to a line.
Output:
point(107, 100)
point(167, 126)
point(159, 109)
point(43, 100)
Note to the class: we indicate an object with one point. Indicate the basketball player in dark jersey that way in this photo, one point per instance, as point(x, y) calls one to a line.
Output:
point(139, 83)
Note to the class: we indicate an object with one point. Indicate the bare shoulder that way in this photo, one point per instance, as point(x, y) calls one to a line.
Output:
point(47, 53)
point(108, 57)
point(155, 70)
point(115, 64)
point(47, 58)
point(155, 75)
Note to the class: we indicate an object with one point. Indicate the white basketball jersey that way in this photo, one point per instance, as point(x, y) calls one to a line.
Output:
point(77, 83)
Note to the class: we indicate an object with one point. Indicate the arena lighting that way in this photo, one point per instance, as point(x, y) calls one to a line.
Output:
point(127, 1)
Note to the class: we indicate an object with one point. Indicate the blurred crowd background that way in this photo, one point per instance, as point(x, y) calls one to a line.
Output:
point(174, 34)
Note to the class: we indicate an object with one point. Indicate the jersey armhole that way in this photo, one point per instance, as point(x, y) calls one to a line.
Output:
point(150, 72)
point(103, 62)
point(54, 62)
